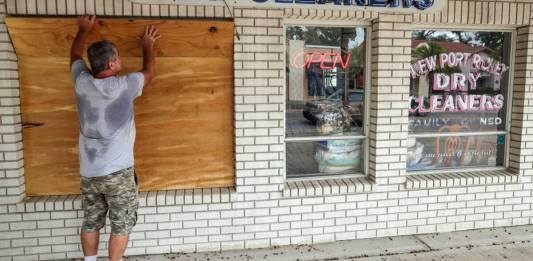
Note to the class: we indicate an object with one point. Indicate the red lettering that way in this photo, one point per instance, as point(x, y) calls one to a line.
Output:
point(302, 59)
point(344, 64)
point(298, 59)
point(324, 60)
point(319, 57)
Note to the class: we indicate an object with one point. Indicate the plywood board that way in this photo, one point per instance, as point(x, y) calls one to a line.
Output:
point(51, 163)
point(186, 114)
point(52, 37)
point(184, 123)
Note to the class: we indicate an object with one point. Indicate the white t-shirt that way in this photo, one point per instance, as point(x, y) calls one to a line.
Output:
point(107, 125)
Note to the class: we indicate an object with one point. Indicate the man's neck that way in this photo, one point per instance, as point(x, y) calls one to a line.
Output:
point(105, 74)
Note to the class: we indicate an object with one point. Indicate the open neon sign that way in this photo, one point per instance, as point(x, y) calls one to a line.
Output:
point(328, 61)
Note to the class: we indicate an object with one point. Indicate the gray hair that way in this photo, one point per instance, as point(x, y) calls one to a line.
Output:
point(100, 53)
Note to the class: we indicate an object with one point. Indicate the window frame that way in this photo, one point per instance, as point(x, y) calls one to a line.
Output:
point(509, 101)
point(366, 116)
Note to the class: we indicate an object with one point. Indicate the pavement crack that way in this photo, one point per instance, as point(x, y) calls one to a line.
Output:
point(381, 255)
point(424, 242)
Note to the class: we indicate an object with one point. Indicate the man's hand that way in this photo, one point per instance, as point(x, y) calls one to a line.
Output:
point(151, 34)
point(86, 23)
point(147, 41)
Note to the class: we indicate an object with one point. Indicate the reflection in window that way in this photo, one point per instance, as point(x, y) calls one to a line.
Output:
point(459, 83)
point(455, 152)
point(325, 67)
point(324, 156)
point(325, 98)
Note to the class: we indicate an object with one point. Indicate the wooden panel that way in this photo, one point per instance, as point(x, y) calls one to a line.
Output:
point(51, 161)
point(180, 38)
point(184, 124)
point(184, 130)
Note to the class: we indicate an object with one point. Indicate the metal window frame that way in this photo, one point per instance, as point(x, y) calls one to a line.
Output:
point(509, 93)
point(366, 116)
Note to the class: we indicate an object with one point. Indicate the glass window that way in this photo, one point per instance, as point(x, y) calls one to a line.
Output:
point(458, 99)
point(325, 100)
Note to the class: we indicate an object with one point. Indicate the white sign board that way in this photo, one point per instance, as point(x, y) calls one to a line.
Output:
point(401, 6)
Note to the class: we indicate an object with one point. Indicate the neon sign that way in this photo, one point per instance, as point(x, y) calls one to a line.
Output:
point(460, 82)
point(327, 61)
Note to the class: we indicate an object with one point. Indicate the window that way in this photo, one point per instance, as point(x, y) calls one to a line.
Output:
point(459, 99)
point(325, 100)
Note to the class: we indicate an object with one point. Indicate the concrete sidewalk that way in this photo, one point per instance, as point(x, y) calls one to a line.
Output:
point(505, 243)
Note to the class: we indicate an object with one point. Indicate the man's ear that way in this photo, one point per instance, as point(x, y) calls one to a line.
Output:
point(111, 65)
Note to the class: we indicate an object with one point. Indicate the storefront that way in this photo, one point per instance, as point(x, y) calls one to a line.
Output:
point(306, 122)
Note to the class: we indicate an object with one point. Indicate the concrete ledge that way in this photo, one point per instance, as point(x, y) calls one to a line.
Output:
point(152, 198)
point(329, 186)
point(444, 180)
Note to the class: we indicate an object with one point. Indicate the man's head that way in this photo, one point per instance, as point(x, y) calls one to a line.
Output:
point(103, 56)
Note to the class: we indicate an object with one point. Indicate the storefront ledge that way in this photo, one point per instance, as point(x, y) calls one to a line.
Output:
point(333, 186)
point(187, 196)
point(146, 199)
point(457, 179)
point(49, 203)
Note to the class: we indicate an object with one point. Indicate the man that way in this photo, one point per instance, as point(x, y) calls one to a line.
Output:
point(107, 135)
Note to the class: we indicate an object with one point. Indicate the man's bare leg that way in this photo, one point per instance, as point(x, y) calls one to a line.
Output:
point(117, 246)
point(89, 243)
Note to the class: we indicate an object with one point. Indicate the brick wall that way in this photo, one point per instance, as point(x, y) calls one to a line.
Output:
point(263, 209)
point(391, 56)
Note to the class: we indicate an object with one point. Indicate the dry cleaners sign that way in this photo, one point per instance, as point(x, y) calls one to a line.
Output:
point(368, 5)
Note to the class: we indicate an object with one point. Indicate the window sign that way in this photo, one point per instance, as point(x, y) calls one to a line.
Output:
point(325, 101)
point(458, 99)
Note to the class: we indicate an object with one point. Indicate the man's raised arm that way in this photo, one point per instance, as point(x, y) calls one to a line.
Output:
point(147, 41)
point(85, 25)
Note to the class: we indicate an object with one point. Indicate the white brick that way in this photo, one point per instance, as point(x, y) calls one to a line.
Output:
point(37, 250)
point(36, 216)
point(50, 224)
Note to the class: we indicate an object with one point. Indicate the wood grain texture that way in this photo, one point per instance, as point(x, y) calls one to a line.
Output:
point(188, 112)
point(51, 163)
point(180, 38)
point(184, 123)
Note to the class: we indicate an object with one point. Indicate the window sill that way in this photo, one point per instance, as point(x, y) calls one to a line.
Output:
point(458, 179)
point(333, 186)
point(146, 199)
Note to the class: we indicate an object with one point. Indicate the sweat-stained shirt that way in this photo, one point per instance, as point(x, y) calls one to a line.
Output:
point(107, 125)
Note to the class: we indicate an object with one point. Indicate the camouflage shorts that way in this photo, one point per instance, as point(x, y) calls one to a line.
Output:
point(116, 192)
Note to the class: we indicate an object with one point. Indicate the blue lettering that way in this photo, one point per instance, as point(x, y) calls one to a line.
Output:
point(336, 2)
point(394, 3)
point(379, 3)
point(423, 4)
point(419, 4)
